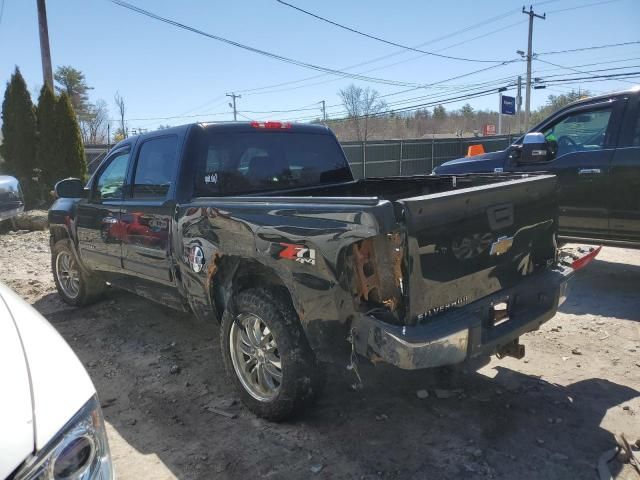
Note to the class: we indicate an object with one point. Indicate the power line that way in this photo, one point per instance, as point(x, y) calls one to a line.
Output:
point(483, 93)
point(410, 108)
point(258, 51)
point(582, 6)
point(410, 59)
point(379, 39)
point(590, 65)
point(510, 80)
point(582, 71)
point(596, 47)
point(282, 111)
point(588, 72)
point(452, 34)
point(173, 117)
point(384, 57)
point(440, 100)
point(436, 101)
point(596, 77)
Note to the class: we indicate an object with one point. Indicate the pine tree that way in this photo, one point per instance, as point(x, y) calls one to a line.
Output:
point(71, 149)
point(19, 135)
point(47, 154)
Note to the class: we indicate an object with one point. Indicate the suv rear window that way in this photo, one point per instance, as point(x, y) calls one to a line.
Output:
point(246, 162)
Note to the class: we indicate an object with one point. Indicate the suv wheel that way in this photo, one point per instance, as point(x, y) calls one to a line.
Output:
point(267, 356)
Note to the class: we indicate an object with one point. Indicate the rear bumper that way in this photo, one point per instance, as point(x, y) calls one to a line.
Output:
point(466, 332)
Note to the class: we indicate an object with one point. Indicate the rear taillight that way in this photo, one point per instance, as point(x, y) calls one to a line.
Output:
point(271, 125)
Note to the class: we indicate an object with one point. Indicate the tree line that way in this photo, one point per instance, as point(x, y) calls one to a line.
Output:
point(44, 143)
point(41, 143)
point(368, 118)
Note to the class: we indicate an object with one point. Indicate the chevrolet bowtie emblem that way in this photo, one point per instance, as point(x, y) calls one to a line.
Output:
point(502, 245)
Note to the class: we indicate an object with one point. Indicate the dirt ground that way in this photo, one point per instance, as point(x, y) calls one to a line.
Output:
point(549, 416)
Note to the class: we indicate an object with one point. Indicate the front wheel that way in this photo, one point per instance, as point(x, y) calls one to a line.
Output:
point(75, 286)
point(267, 356)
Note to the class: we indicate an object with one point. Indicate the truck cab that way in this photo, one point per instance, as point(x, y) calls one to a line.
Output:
point(593, 147)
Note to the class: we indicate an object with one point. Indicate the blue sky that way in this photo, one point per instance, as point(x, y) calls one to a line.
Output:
point(163, 71)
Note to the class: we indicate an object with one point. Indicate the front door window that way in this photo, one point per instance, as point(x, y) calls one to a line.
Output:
point(111, 180)
point(579, 131)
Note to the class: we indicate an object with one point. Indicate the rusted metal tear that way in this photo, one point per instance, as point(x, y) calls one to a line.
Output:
point(367, 273)
point(378, 266)
point(212, 269)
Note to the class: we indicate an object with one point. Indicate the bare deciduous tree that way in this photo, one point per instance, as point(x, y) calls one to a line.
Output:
point(121, 111)
point(93, 123)
point(361, 104)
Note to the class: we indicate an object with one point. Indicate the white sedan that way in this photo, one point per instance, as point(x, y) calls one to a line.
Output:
point(51, 425)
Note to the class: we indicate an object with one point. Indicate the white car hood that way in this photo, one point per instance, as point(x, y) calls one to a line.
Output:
point(16, 414)
point(46, 381)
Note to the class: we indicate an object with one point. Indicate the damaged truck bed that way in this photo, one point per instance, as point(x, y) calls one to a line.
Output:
point(262, 228)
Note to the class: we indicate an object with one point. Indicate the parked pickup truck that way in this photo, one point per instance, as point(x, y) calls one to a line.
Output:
point(263, 227)
point(593, 146)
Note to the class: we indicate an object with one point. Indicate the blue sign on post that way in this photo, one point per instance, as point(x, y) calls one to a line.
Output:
point(508, 105)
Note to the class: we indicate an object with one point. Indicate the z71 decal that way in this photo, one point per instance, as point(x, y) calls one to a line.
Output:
point(298, 253)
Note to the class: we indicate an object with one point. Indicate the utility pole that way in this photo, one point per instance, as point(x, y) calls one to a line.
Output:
point(324, 112)
point(45, 53)
point(235, 112)
point(527, 105)
point(518, 103)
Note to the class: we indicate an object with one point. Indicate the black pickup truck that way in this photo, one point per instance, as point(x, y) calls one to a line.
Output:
point(262, 227)
point(593, 146)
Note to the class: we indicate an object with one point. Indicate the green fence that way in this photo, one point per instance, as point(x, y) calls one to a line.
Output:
point(381, 158)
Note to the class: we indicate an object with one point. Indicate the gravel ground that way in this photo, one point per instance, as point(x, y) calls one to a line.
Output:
point(549, 416)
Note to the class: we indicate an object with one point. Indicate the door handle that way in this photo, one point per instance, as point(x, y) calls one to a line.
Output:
point(589, 171)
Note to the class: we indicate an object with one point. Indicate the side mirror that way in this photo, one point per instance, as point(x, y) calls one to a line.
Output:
point(70, 188)
point(535, 148)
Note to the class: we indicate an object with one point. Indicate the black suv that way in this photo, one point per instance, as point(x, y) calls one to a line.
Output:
point(593, 146)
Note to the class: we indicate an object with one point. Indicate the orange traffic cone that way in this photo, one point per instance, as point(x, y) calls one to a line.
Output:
point(475, 150)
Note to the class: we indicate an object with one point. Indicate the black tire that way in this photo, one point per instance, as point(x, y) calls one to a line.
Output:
point(90, 288)
point(302, 378)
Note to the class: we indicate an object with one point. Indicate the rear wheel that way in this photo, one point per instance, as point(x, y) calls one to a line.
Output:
point(76, 286)
point(266, 355)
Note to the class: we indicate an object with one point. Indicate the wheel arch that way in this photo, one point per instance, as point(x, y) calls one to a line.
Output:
point(58, 232)
point(232, 275)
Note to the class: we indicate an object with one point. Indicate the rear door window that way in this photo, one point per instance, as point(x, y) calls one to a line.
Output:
point(155, 168)
point(244, 162)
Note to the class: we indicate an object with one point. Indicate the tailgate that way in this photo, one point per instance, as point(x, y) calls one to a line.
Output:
point(465, 244)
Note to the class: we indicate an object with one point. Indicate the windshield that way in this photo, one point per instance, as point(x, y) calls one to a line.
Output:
point(244, 162)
